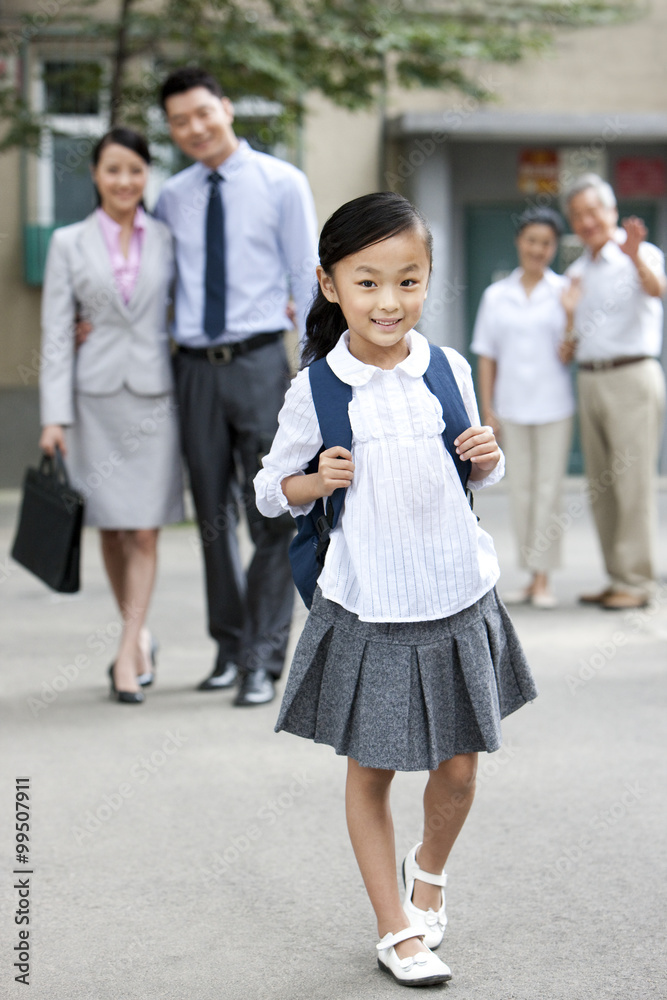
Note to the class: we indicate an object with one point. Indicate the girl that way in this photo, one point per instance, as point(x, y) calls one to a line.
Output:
point(407, 660)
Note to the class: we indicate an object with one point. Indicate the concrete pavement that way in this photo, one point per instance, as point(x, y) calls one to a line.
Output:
point(181, 849)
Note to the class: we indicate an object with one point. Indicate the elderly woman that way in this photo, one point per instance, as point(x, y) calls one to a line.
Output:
point(526, 393)
point(109, 406)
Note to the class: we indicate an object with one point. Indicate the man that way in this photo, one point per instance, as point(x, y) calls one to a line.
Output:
point(618, 332)
point(245, 236)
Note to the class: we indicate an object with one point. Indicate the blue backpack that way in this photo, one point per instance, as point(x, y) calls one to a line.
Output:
point(332, 398)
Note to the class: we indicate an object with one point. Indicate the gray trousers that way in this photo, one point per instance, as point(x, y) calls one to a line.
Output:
point(229, 416)
point(536, 456)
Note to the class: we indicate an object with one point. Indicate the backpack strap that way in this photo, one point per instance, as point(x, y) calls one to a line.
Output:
point(440, 379)
point(331, 398)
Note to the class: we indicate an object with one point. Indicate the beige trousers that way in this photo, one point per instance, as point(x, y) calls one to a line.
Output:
point(621, 412)
point(536, 456)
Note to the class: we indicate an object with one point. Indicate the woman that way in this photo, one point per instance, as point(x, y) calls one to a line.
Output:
point(109, 406)
point(522, 333)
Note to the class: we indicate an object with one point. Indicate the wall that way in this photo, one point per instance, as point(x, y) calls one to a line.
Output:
point(615, 68)
point(341, 154)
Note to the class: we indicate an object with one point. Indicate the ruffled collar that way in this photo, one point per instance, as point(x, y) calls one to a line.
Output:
point(354, 372)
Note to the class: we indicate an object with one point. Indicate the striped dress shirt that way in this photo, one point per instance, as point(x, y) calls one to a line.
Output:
point(407, 546)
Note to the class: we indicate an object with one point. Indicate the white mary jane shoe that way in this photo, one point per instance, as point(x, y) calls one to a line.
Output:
point(432, 923)
point(422, 969)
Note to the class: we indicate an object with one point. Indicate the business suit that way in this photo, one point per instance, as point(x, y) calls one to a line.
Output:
point(229, 403)
point(115, 393)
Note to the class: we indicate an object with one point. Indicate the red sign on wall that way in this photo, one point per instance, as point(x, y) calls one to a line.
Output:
point(640, 177)
point(538, 171)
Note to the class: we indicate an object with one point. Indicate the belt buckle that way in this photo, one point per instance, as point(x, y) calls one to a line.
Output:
point(599, 366)
point(220, 355)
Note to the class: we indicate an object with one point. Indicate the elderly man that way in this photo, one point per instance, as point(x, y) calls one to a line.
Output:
point(618, 333)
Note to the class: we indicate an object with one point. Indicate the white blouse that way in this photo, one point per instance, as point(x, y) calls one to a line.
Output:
point(407, 546)
point(615, 317)
point(522, 333)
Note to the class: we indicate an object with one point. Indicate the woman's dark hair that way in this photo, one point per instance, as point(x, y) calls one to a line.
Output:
point(187, 78)
point(540, 217)
point(121, 137)
point(353, 227)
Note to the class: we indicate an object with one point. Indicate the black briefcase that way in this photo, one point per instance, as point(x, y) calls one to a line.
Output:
point(48, 536)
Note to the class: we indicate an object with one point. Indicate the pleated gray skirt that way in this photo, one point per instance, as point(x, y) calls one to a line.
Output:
point(406, 695)
point(124, 456)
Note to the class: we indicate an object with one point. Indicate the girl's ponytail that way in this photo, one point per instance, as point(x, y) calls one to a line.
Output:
point(353, 227)
point(324, 325)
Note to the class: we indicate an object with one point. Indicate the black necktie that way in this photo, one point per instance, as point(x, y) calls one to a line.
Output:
point(216, 274)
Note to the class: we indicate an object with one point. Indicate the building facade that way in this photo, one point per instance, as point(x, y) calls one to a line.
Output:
point(596, 101)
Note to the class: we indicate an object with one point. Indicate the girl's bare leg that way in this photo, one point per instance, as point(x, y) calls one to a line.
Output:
point(371, 831)
point(447, 800)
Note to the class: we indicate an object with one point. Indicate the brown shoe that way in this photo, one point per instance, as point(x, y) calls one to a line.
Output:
point(620, 601)
point(596, 598)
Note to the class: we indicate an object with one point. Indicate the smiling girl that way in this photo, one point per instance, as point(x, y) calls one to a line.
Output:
point(408, 660)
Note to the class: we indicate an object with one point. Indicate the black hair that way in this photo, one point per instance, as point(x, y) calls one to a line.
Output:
point(120, 136)
point(540, 217)
point(187, 78)
point(353, 227)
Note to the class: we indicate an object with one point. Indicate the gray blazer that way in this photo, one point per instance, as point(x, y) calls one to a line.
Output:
point(128, 346)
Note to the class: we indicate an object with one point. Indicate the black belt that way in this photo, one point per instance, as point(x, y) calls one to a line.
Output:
point(224, 354)
point(603, 366)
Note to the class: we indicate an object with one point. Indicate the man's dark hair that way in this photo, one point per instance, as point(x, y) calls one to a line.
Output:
point(186, 78)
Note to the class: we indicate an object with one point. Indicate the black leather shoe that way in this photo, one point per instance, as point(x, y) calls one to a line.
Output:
point(224, 676)
point(127, 697)
point(257, 688)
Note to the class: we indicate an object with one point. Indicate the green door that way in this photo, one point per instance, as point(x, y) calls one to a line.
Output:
point(490, 254)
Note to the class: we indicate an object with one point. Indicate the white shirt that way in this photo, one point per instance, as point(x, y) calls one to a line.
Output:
point(271, 239)
point(407, 546)
point(522, 333)
point(615, 317)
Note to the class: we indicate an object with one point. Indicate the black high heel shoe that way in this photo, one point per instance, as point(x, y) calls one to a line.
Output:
point(148, 676)
point(127, 697)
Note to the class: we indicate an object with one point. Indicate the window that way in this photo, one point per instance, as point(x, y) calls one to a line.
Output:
point(60, 189)
point(72, 88)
